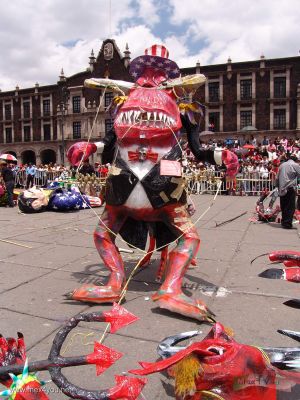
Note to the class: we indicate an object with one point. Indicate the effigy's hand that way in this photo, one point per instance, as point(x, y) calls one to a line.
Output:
point(80, 150)
point(231, 162)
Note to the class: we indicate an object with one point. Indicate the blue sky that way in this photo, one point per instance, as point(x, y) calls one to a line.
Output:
point(39, 38)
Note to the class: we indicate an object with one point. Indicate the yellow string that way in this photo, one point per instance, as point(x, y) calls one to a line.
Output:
point(82, 335)
point(211, 394)
point(264, 354)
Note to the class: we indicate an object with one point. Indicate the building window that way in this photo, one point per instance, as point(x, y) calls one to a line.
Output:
point(108, 99)
point(108, 125)
point(76, 104)
point(246, 119)
point(246, 89)
point(7, 111)
point(46, 107)
point(27, 133)
point(213, 92)
point(214, 121)
point(280, 87)
point(8, 135)
point(26, 109)
point(279, 119)
point(77, 130)
point(47, 131)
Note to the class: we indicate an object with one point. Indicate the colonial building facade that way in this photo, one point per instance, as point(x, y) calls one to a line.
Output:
point(260, 98)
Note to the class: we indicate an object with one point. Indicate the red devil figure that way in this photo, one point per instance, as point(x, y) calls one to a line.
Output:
point(218, 367)
point(145, 182)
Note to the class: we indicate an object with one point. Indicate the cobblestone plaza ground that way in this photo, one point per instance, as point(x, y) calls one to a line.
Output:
point(61, 255)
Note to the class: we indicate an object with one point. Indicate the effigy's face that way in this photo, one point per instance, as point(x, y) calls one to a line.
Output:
point(149, 111)
point(38, 197)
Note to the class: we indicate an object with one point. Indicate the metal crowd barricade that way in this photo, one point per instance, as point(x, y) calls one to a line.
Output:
point(41, 178)
point(206, 181)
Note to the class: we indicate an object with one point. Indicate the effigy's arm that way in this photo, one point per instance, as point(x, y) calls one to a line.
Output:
point(109, 142)
point(214, 157)
point(204, 155)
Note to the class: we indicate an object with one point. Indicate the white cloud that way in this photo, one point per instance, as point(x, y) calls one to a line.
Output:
point(133, 35)
point(240, 29)
point(34, 35)
point(148, 11)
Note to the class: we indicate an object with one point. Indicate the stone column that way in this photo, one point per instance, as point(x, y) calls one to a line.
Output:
point(238, 87)
point(271, 84)
point(287, 117)
point(271, 116)
point(221, 118)
point(253, 114)
point(238, 117)
point(288, 83)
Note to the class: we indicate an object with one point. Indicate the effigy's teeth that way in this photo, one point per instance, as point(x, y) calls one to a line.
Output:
point(136, 115)
point(148, 116)
point(165, 118)
point(130, 115)
point(160, 116)
point(154, 116)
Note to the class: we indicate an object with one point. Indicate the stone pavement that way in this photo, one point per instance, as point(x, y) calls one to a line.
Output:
point(62, 256)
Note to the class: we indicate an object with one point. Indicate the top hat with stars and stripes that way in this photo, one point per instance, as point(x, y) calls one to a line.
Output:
point(155, 56)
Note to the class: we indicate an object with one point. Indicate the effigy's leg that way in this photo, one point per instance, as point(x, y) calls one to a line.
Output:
point(105, 244)
point(170, 295)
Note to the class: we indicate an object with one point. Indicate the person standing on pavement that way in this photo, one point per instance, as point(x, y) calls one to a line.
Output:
point(8, 178)
point(288, 173)
point(30, 174)
point(87, 168)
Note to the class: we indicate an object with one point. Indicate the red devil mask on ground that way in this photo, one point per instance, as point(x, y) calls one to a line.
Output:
point(218, 367)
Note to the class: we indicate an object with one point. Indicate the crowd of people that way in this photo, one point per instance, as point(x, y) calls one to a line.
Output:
point(28, 175)
point(258, 160)
point(259, 163)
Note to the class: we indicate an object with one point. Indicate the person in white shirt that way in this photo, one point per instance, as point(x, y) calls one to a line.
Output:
point(263, 172)
point(272, 155)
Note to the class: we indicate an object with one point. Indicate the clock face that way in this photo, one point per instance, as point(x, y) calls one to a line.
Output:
point(108, 51)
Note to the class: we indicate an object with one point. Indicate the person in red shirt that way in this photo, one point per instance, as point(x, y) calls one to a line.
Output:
point(103, 171)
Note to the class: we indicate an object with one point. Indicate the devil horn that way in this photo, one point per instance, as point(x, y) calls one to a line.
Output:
point(292, 334)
